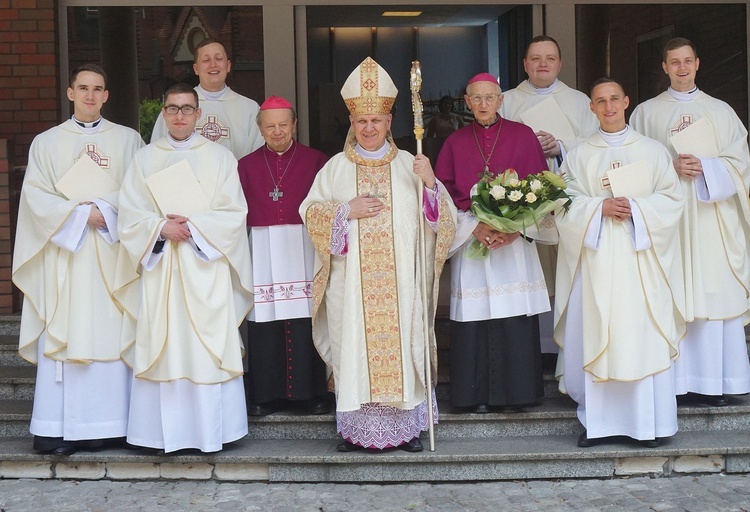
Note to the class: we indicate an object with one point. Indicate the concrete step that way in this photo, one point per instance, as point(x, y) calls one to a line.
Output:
point(17, 382)
point(316, 460)
point(552, 417)
point(9, 351)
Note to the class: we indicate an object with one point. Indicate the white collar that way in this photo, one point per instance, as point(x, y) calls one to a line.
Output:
point(212, 95)
point(615, 139)
point(683, 96)
point(180, 144)
point(372, 155)
point(543, 91)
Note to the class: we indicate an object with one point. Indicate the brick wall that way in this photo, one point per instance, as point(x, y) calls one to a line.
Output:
point(29, 98)
point(29, 104)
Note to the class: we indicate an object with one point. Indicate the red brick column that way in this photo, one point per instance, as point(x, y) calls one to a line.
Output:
point(29, 103)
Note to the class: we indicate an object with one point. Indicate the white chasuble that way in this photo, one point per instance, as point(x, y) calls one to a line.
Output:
point(188, 306)
point(68, 294)
point(714, 232)
point(632, 300)
point(574, 105)
point(229, 121)
point(367, 317)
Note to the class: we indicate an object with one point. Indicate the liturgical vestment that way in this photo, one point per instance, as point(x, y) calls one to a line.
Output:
point(715, 231)
point(573, 104)
point(283, 362)
point(495, 353)
point(227, 118)
point(618, 314)
point(187, 302)
point(367, 316)
point(65, 268)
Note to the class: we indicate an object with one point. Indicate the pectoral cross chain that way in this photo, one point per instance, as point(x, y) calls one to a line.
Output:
point(276, 194)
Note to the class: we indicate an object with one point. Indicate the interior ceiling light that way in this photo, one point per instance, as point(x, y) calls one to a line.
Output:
point(403, 14)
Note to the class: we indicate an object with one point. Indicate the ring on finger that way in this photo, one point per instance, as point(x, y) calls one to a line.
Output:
point(487, 239)
point(369, 210)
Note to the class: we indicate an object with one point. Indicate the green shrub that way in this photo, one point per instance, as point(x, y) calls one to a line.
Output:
point(148, 113)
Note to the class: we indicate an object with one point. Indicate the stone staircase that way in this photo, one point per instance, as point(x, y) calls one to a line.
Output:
point(295, 447)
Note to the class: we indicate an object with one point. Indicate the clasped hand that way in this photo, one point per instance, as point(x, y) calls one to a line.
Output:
point(617, 208)
point(688, 166)
point(96, 219)
point(492, 238)
point(549, 144)
point(175, 229)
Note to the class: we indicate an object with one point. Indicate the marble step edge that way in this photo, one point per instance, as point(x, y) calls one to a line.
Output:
point(548, 407)
point(561, 407)
point(308, 451)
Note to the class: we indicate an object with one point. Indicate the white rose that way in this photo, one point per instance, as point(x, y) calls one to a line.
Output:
point(516, 195)
point(530, 197)
point(498, 192)
point(536, 186)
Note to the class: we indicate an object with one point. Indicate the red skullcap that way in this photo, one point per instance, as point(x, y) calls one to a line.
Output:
point(274, 102)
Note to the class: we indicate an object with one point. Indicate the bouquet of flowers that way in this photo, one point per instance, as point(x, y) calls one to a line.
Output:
point(510, 205)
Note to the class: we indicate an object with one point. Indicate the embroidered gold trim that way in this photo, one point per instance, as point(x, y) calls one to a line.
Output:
point(377, 261)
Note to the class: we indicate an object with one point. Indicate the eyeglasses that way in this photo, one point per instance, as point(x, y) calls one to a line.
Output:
point(478, 98)
point(187, 110)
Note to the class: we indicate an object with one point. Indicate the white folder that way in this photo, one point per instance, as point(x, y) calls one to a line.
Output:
point(86, 180)
point(632, 180)
point(548, 116)
point(176, 190)
point(698, 139)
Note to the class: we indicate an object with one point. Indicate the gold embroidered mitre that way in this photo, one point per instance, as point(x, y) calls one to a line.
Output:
point(369, 90)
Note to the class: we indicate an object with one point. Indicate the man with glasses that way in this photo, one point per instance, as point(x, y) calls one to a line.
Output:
point(495, 360)
point(226, 116)
point(186, 285)
point(64, 261)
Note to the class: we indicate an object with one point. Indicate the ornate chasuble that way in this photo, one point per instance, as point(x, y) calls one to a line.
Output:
point(379, 286)
point(367, 320)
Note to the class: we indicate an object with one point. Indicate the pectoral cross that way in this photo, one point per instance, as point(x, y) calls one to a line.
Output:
point(276, 194)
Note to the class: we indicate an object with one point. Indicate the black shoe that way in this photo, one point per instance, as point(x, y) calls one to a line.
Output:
point(585, 442)
point(318, 406)
point(651, 443)
point(481, 409)
point(260, 409)
point(716, 400)
point(346, 447)
point(64, 450)
point(413, 446)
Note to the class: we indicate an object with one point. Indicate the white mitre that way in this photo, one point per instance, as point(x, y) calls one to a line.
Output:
point(369, 90)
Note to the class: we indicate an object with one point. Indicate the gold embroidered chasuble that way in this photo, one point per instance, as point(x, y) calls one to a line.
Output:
point(367, 316)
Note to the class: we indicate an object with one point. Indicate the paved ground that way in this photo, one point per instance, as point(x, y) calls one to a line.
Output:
point(711, 493)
